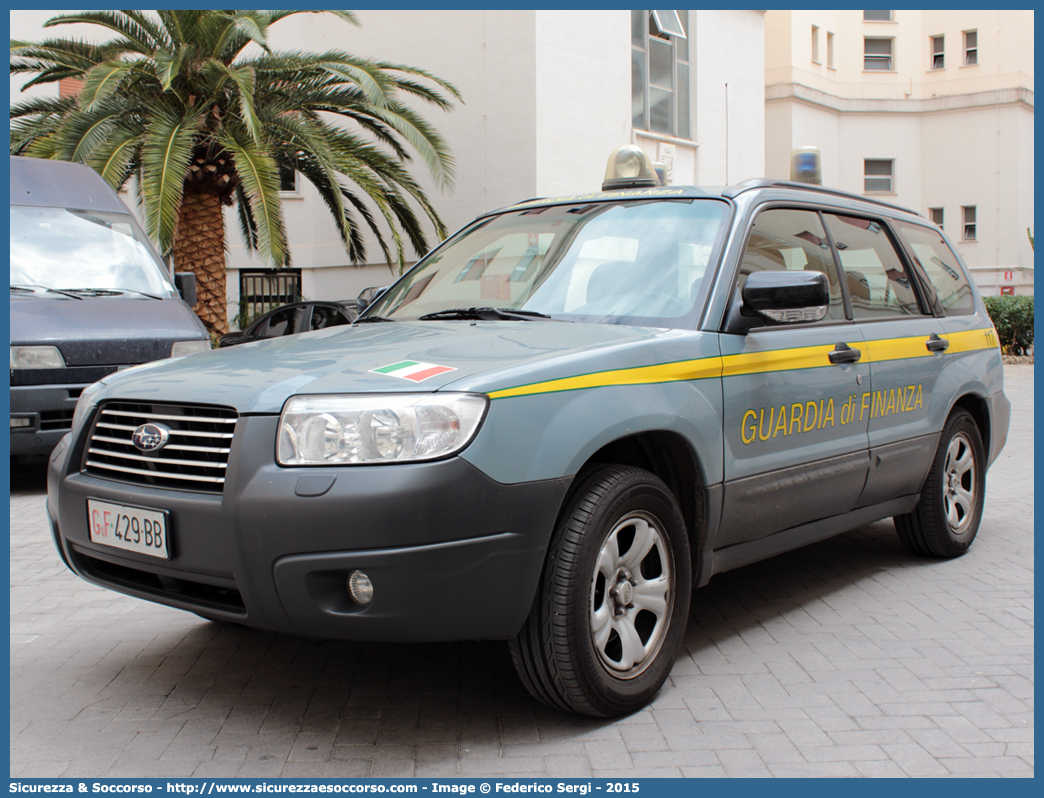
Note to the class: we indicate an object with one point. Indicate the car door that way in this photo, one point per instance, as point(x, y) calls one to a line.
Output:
point(906, 353)
point(795, 450)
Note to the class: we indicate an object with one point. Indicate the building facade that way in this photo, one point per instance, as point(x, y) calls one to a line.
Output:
point(931, 110)
point(547, 96)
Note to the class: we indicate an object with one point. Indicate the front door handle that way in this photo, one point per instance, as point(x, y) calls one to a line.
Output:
point(936, 344)
point(843, 353)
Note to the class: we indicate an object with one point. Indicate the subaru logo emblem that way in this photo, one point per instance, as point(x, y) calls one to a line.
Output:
point(150, 437)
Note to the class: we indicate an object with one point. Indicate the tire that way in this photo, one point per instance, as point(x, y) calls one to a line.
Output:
point(946, 520)
point(608, 618)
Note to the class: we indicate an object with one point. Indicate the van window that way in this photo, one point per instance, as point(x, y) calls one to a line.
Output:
point(941, 267)
point(63, 249)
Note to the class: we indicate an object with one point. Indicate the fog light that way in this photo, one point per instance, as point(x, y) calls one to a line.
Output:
point(360, 588)
point(20, 422)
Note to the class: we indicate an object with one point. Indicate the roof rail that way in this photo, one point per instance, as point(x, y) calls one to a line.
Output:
point(764, 182)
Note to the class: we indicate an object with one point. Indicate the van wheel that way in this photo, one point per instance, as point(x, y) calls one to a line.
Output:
point(946, 520)
point(613, 599)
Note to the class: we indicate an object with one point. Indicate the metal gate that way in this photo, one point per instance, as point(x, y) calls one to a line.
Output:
point(260, 290)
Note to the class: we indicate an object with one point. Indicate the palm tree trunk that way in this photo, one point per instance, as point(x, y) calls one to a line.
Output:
point(199, 247)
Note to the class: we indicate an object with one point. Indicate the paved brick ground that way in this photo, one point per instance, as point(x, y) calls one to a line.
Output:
point(846, 658)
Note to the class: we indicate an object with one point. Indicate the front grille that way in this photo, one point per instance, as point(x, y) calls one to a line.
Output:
point(194, 458)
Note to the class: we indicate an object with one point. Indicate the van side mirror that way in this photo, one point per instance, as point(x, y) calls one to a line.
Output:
point(185, 282)
point(368, 296)
point(780, 297)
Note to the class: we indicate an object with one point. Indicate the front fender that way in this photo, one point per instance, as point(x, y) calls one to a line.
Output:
point(552, 435)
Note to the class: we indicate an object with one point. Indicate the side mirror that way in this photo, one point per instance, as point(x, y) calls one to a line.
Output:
point(782, 297)
point(185, 282)
point(368, 296)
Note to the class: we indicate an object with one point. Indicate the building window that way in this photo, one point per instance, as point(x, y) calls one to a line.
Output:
point(660, 72)
point(971, 47)
point(936, 215)
point(877, 176)
point(830, 50)
point(815, 45)
point(877, 16)
point(877, 54)
point(287, 179)
point(968, 212)
point(938, 59)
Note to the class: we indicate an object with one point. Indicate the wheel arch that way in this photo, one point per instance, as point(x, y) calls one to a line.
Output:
point(670, 457)
point(976, 405)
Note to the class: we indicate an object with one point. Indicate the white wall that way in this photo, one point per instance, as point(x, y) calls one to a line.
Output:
point(959, 136)
point(729, 50)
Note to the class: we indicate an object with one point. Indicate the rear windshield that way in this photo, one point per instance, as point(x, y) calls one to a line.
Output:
point(62, 249)
point(625, 262)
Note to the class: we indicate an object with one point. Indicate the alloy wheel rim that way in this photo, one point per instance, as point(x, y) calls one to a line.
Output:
point(631, 595)
point(959, 486)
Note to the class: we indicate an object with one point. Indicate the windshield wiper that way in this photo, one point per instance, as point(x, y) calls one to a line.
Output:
point(484, 314)
point(368, 319)
point(32, 288)
point(95, 291)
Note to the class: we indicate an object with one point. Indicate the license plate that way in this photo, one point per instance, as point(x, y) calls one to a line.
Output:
point(136, 529)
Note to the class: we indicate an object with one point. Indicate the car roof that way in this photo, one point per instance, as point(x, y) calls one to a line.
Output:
point(787, 189)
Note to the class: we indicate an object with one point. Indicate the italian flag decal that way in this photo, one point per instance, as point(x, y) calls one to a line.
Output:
point(412, 370)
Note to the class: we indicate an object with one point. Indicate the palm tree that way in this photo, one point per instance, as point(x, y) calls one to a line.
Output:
point(177, 102)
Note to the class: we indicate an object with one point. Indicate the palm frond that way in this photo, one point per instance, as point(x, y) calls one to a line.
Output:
point(423, 138)
point(243, 77)
point(169, 66)
point(247, 225)
point(138, 37)
point(259, 177)
point(102, 81)
point(165, 155)
point(114, 158)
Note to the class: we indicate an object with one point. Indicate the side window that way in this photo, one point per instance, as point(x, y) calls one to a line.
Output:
point(876, 279)
point(282, 322)
point(941, 267)
point(327, 317)
point(784, 239)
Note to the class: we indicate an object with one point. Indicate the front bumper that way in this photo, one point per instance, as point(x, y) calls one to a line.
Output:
point(48, 409)
point(451, 553)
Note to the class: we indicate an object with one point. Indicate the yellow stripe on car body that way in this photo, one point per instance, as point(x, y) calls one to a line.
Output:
point(876, 351)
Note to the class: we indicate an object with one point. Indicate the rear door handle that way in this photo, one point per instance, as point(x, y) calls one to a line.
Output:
point(843, 353)
point(936, 344)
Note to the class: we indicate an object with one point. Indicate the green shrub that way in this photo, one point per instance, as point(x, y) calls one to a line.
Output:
point(1013, 318)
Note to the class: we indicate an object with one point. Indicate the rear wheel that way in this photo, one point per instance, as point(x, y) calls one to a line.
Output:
point(946, 520)
point(613, 600)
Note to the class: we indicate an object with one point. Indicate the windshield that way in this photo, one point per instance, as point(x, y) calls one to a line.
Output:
point(614, 262)
point(62, 249)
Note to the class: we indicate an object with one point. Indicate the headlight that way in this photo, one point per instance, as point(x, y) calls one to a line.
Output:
point(36, 357)
point(85, 404)
point(396, 428)
point(182, 348)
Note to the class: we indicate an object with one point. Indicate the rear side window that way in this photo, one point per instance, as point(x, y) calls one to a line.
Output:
point(875, 276)
point(940, 265)
point(783, 239)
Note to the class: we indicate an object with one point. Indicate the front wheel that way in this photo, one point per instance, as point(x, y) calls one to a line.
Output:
point(613, 600)
point(946, 520)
